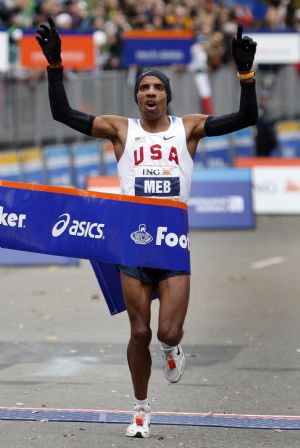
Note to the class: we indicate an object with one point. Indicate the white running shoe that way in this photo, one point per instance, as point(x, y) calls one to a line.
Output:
point(173, 363)
point(140, 426)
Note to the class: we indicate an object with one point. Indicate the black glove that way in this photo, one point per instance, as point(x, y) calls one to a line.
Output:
point(49, 42)
point(243, 51)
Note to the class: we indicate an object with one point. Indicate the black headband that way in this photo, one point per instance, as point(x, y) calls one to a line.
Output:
point(158, 74)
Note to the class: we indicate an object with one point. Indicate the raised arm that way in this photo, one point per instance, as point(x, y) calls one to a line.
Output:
point(106, 126)
point(243, 50)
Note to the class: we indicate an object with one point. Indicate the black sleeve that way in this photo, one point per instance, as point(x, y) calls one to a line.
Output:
point(246, 116)
point(60, 107)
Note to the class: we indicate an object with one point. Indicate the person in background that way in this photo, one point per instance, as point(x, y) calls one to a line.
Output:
point(266, 134)
point(198, 66)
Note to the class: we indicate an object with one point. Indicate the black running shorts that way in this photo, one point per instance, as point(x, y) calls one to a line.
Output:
point(149, 275)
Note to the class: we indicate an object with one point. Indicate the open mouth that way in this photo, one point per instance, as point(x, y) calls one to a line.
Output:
point(150, 105)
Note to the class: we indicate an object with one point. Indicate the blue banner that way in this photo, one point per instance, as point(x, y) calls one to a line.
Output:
point(156, 48)
point(10, 168)
point(216, 151)
point(33, 166)
point(86, 158)
point(221, 198)
point(58, 165)
point(101, 227)
point(243, 143)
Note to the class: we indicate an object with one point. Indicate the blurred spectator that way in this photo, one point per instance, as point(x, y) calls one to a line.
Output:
point(216, 19)
point(276, 15)
point(215, 50)
point(64, 21)
point(7, 11)
point(266, 135)
point(198, 66)
point(77, 10)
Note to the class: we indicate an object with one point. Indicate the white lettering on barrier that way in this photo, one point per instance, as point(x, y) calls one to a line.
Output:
point(77, 228)
point(218, 204)
point(171, 239)
point(11, 219)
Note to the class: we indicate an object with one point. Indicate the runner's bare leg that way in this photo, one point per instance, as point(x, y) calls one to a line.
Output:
point(137, 296)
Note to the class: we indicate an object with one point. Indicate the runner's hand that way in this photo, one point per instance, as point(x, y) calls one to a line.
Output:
point(243, 51)
point(49, 42)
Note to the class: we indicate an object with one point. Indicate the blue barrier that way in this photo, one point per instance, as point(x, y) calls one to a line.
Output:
point(10, 257)
point(58, 165)
point(221, 198)
point(86, 162)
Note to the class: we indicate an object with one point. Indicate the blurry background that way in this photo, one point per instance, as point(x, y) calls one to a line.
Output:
point(105, 44)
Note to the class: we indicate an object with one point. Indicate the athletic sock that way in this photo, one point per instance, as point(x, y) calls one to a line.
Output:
point(141, 403)
point(166, 346)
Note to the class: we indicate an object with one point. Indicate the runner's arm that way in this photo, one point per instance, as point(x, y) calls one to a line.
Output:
point(246, 116)
point(104, 126)
point(60, 107)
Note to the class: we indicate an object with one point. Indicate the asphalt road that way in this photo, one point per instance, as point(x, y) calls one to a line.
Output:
point(59, 347)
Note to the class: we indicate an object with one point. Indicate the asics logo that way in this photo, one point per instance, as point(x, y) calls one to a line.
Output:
point(168, 138)
point(11, 219)
point(85, 229)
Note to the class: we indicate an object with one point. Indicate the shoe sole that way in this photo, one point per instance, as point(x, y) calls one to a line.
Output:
point(138, 435)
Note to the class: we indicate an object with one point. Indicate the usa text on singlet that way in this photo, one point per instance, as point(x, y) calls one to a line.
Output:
point(156, 164)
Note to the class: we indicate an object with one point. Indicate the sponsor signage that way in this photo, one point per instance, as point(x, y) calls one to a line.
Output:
point(157, 181)
point(215, 151)
point(10, 168)
point(33, 169)
point(104, 228)
point(70, 222)
point(276, 190)
point(58, 165)
point(289, 139)
point(276, 184)
point(78, 51)
point(277, 48)
point(86, 162)
point(221, 198)
point(156, 47)
point(4, 53)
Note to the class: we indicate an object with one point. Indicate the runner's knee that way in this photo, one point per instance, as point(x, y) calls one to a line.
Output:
point(170, 334)
point(141, 336)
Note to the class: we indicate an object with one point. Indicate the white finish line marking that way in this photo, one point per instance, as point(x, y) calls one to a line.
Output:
point(267, 262)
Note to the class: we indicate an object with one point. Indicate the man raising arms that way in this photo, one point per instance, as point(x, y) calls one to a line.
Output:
point(168, 143)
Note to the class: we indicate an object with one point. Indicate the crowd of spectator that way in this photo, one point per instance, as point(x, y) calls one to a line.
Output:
point(214, 20)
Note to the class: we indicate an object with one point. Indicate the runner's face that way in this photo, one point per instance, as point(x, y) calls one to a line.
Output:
point(152, 98)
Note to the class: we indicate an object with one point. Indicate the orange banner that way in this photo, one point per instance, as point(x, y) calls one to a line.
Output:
point(158, 34)
point(247, 162)
point(77, 52)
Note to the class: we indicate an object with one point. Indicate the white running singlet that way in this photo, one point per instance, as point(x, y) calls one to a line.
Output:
point(156, 164)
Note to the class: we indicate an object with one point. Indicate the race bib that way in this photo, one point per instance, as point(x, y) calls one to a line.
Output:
point(158, 181)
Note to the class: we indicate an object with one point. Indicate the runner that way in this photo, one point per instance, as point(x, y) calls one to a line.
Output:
point(167, 144)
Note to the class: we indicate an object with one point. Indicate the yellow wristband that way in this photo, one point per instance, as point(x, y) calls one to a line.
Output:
point(249, 75)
